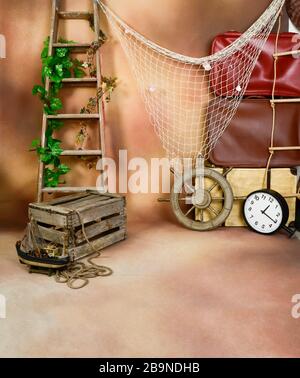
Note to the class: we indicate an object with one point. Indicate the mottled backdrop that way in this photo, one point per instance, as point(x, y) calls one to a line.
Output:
point(185, 26)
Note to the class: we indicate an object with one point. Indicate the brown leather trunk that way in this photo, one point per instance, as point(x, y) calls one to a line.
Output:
point(262, 77)
point(246, 141)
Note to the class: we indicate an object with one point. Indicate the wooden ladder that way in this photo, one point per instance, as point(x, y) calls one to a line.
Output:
point(58, 15)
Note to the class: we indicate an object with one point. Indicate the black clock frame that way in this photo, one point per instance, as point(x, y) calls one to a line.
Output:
point(283, 204)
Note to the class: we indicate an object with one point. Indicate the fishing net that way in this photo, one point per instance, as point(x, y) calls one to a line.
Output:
point(182, 93)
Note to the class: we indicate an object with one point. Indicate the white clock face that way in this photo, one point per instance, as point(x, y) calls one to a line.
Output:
point(263, 212)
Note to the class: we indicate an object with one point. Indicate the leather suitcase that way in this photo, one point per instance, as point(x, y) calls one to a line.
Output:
point(246, 141)
point(261, 81)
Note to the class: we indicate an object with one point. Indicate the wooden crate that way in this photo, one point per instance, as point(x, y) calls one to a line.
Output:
point(60, 222)
point(244, 181)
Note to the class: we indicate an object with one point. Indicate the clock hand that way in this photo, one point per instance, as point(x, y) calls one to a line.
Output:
point(264, 211)
point(270, 218)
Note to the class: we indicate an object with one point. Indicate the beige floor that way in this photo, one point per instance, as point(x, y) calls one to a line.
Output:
point(173, 293)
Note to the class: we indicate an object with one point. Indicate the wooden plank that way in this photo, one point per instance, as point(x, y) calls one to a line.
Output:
point(66, 199)
point(65, 204)
point(46, 217)
point(49, 209)
point(80, 199)
point(74, 116)
point(66, 207)
point(76, 47)
point(100, 227)
point(85, 250)
point(85, 81)
point(52, 235)
point(71, 45)
point(98, 202)
point(79, 80)
point(112, 195)
point(65, 189)
point(98, 213)
point(81, 153)
point(75, 15)
point(73, 198)
point(86, 203)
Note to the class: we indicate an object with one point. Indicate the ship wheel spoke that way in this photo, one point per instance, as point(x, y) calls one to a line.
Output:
point(201, 213)
point(189, 211)
point(189, 198)
point(213, 210)
point(213, 187)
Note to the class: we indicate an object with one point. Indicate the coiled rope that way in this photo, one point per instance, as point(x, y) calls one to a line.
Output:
point(81, 271)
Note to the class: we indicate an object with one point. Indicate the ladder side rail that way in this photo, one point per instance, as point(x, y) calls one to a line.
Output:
point(99, 82)
point(53, 37)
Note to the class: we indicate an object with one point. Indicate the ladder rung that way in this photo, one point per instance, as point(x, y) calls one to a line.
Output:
point(75, 15)
point(286, 53)
point(65, 189)
point(81, 153)
point(74, 116)
point(76, 47)
point(80, 81)
point(285, 101)
point(295, 148)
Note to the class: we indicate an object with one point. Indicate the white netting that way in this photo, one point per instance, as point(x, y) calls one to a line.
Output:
point(191, 101)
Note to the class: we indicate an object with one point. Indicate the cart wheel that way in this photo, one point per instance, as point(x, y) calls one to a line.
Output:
point(215, 205)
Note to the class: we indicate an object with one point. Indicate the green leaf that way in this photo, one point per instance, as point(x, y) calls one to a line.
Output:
point(62, 40)
point(79, 73)
point(55, 124)
point(63, 169)
point(56, 79)
point(38, 89)
point(45, 50)
point(47, 110)
point(67, 73)
point(35, 143)
point(47, 71)
point(62, 52)
point(44, 53)
point(59, 70)
point(67, 63)
point(56, 161)
point(46, 158)
point(40, 150)
point(48, 61)
point(55, 104)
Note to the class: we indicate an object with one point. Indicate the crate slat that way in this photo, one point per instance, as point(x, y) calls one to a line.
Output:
point(100, 227)
point(47, 217)
point(93, 214)
point(99, 244)
point(52, 235)
point(66, 199)
point(88, 201)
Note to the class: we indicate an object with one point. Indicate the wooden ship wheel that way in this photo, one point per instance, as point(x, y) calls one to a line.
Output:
point(208, 211)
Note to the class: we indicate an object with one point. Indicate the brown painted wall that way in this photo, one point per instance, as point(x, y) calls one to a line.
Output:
point(184, 26)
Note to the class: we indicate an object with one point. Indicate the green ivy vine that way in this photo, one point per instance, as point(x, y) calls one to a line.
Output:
point(59, 66)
